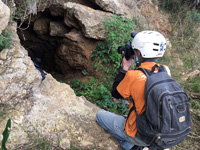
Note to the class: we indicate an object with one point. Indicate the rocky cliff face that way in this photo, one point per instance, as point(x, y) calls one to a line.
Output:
point(4, 16)
point(47, 109)
point(44, 109)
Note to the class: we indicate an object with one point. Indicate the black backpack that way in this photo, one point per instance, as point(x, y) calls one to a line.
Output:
point(166, 120)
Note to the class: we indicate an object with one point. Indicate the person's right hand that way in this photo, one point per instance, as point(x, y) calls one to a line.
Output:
point(127, 63)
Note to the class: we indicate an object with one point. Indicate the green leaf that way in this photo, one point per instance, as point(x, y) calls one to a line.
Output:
point(95, 64)
point(84, 72)
point(6, 134)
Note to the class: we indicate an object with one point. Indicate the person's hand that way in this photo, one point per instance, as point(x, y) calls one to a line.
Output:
point(127, 63)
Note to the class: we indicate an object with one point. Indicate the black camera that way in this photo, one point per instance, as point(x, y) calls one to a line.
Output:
point(127, 49)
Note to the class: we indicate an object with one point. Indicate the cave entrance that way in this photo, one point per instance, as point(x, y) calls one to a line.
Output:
point(44, 38)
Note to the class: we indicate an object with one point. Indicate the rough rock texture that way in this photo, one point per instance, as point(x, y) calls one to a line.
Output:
point(155, 19)
point(18, 81)
point(18, 77)
point(58, 29)
point(90, 21)
point(75, 52)
point(41, 25)
point(127, 8)
point(191, 75)
point(56, 6)
point(4, 16)
point(44, 109)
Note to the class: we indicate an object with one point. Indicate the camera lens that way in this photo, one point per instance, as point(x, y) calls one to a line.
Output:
point(120, 49)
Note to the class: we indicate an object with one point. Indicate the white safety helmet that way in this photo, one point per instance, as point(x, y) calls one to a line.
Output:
point(151, 44)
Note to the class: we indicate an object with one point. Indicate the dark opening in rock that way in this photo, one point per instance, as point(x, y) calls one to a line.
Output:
point(58, 49)
point(39, 43)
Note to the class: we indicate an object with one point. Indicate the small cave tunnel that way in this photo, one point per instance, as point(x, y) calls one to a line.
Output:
point(44, 39)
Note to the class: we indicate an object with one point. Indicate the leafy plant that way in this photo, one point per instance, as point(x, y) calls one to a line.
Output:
point(119, 32)
point(193, 84)
point(6, 134)
point(195, 104)
point(196, 84)
point(98, 94)
point(100, 53)
point(175, 6)
point(5, 39)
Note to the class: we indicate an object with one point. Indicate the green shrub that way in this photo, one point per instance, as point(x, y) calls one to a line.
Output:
point(175, 6)
point(196, 84)
point(98, 94)
point(195, 104)
point(119, 32)
point(5, 39)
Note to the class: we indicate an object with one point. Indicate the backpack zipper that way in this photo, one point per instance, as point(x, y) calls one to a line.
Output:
point(160, 102)
point(163, 81)
point(172, 114)
point(157, 137)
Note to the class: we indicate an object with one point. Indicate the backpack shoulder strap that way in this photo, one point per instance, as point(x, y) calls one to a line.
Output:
point(161, 68)
point(146, 72)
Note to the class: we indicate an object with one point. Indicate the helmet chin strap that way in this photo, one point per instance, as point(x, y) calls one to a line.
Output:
point(137, 60)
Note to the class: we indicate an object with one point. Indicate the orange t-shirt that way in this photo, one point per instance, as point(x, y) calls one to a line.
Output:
point(133, 85)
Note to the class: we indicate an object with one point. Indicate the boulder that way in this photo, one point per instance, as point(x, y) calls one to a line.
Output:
point(88, 20)
point(64, 119)
point(4, 16)
point(126, 8)
point(56, 6)
point(74, 52)
point(58, 29)
point(41, 25)
point(191, 75)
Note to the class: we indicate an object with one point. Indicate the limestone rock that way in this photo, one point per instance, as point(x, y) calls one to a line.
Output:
point(75, 52)
point(90, 20)
point(4, 16)
point(127, 8)
point(41, 25)
point(56, 10)
point(58, 29)
point(56, 6)
point(114, 6)
point(69, 18)
point(4, 54)
point(45, 109)
point(191, 75)
point(18, 76)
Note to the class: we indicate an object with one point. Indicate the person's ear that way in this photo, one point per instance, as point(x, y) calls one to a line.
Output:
point(139, 54)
